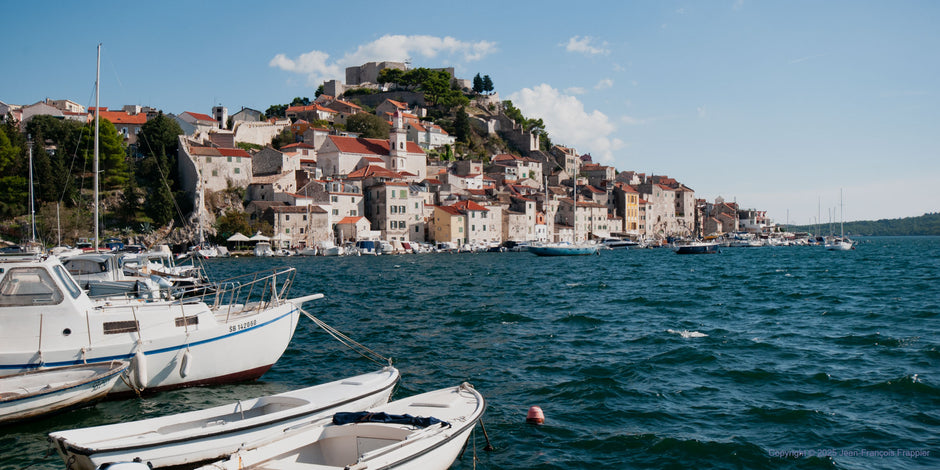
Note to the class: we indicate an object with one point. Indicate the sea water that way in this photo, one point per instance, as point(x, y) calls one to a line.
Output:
point(774, 357)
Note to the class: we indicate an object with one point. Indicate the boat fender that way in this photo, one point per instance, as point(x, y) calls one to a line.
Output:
point(186, 363)
point(140, 369)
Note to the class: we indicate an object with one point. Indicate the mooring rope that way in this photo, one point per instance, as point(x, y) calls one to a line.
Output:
point(349, 342)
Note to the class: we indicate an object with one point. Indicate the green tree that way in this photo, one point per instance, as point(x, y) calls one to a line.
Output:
point(159, 206)
point(298, 101)
point(130, 201)
point(487, 84)
point(111, 155)
point(276, 110)
point(462, 125)
point(43, 177)
point(477, 84)
point(13, 186)
point(286, 137)
point(230, 223)
point(436, 87)
point(319, 91)
point(368, 125)
point(391, 76)
point(159, 136)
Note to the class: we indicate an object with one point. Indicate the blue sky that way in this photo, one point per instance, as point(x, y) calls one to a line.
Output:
point(774, 104)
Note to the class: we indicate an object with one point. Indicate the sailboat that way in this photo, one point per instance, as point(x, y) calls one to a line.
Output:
point(842, 243)
point(564, 248)
point(236, 333)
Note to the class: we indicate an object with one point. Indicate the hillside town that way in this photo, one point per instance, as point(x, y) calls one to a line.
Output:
point(334, 186)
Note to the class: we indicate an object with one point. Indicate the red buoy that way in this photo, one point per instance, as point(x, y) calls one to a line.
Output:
point(535, 416)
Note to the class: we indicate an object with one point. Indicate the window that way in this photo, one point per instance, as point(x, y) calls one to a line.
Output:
point(215, 172)
point(335, 211)
point(353, 213)
point(28, 286)
point(229, 159)
point(286, 216)
point(238, 170)
point(67, 280)
point(404, 193)
point(238, 159)
point(305, 218)
point(286, 230)
point(401, 209)
point(334, 198)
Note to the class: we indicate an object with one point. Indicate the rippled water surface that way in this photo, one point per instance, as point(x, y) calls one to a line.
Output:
point(752, 358)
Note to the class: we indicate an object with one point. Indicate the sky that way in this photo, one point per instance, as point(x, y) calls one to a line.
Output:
point(780, 106)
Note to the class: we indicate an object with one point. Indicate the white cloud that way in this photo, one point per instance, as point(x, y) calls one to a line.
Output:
point(317, 66)
point(568, 122)
point(702, 112)
point(584, 46)
point(575, 90)
point(603, 84)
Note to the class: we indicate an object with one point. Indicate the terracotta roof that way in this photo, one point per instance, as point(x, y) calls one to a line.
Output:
point(476, 192)
point(350, 220)
point(468, 206)
point(373, 171)
point(592, 189)
point(450, 210)
point(362, 145)
point(233, 152)
point(199, 116)
point(434, 181)
point(398, 104)
point(120, 117)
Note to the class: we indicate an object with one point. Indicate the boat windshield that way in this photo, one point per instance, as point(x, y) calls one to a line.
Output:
point(27, 286)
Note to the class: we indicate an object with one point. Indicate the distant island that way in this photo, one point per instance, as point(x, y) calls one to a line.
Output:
point(927, 224)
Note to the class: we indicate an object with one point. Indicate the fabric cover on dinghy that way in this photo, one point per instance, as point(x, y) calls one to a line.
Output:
point(367, 417)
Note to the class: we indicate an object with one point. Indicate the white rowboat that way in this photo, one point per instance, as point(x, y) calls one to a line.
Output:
point(373, 445)
point(205, 435)
point(43, 391)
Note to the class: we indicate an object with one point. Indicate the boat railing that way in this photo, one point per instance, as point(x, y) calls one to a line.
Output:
point(254, 291)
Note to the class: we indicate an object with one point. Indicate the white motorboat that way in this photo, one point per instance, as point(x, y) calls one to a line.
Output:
point(615, 243)
point(43, 391)
point(382, 438)
point(236, 333)
point(101, 276)
point(263, 249)
point(206, 435)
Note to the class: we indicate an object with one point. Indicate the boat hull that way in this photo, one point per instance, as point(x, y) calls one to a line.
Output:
point(571, 250)
point(219, 348)
point(371, 444)
point(697, 249)
point(188, 439)
point(45, 391)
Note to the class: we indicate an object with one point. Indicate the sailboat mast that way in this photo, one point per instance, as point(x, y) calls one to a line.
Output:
point(97, 113)
point(32, 203)
point(841, 216)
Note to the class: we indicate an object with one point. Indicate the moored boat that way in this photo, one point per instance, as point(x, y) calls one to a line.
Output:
point(44, 391)
point(422, 432)
point(205, 435)
point(564, 249)
point(615, 243)
point(697, 248)
point(236, 333)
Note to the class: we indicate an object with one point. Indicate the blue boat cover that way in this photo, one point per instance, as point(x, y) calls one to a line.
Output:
point(367, 417)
